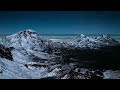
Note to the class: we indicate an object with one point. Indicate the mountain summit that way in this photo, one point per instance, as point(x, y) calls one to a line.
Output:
point(28, 32)
point(27, 39)
point(86, 41)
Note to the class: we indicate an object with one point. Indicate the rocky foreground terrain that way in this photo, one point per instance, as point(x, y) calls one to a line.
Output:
point(27, 55)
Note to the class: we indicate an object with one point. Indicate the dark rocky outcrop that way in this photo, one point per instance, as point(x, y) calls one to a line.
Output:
point(6, 52)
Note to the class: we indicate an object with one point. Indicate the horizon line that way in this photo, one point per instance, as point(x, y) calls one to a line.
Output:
point(47, 34)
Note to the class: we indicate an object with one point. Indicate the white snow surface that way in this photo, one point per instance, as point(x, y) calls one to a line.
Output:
point(15, 70)
point(110, 74)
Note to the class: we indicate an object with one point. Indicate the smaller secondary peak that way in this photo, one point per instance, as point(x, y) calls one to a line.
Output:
point(82, 35)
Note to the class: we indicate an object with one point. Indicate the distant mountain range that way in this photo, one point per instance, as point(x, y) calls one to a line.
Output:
point(69, 34)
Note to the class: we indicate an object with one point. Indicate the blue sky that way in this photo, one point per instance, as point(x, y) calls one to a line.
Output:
point(61, 22)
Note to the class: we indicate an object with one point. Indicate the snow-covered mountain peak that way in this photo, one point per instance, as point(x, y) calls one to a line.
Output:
point(28, 33)
point(28, 39)
point(82, 38)
point(104, 37)
point(86, 41)
point(28, 30)
point(82, 35)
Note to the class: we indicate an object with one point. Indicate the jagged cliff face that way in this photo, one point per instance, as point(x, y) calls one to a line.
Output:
point(28, 55)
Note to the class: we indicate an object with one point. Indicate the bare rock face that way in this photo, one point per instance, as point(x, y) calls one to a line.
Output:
point(5, 52)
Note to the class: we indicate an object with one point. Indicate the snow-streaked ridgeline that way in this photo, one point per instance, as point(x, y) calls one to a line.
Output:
point(27, 55)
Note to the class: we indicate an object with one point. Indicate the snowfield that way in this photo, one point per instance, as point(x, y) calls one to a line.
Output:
point(14, 70)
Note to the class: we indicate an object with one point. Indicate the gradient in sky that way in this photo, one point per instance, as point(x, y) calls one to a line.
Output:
point(61, 22)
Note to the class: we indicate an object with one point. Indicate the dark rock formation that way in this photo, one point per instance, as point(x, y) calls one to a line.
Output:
point(5, 52)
